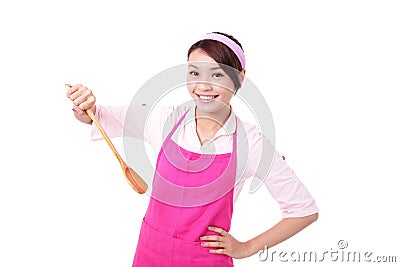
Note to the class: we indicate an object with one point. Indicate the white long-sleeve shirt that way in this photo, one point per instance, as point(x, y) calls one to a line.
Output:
point(256, 156)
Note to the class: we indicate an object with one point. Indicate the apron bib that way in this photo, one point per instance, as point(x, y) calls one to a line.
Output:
point(190, 192)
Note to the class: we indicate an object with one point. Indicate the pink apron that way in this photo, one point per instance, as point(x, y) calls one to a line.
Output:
point(190, 192)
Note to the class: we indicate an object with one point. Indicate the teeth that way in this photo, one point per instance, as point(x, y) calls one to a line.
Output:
point(203, 97)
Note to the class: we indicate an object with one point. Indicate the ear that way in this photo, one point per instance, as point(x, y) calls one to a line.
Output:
point(241, 76)
point(241, 79)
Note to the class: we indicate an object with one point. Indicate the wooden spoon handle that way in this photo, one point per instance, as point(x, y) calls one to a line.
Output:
point(104, 134)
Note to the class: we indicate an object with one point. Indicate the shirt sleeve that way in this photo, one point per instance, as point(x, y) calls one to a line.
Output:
point(111, 119)
point(291, 194)
point(266, 164)
point(141, 122)
point(118, 121)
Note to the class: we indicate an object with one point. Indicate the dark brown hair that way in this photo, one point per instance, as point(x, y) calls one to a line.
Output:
point(221, 54)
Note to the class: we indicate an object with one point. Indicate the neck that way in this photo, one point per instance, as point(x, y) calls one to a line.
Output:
point(212, 120)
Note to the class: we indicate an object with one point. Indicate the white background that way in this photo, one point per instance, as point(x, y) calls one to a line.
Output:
point(329, 71)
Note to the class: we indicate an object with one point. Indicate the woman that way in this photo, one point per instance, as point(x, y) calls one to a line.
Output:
point(191, 228)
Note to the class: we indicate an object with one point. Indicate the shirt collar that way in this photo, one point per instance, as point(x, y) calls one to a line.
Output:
point(228, 128)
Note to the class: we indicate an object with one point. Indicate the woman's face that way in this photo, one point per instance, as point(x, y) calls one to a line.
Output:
point(209, 85)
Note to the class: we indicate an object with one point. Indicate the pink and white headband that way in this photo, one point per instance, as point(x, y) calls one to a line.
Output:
point(229, 43)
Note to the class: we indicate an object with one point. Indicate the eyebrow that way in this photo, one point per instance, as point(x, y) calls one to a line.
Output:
point(215, 68)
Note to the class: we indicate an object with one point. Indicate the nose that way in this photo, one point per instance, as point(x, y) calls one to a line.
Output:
point(204, 86)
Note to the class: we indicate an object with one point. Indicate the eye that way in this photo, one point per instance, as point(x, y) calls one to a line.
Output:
point(218, 75)
point(194, 73)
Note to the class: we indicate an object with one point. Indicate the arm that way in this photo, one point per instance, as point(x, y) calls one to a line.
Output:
point(144, 122)
point(283, 230)
point(298, 206)
point(280, 232)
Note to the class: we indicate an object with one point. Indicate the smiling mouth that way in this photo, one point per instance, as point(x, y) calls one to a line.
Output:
point(206, 97)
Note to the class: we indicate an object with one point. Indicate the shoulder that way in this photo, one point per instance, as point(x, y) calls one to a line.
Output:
point(255, 149)
point(251, 134)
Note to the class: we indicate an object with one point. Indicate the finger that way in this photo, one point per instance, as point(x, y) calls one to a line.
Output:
point(88, 103)
point(217, 251)
point(82, 97)
point(80, 91)
point(72, 89)
point(79, 113)
point(211, 237)
point(212, 244)
point(217, 230)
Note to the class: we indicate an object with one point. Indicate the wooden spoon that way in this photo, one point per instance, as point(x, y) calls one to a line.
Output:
point(133, 178)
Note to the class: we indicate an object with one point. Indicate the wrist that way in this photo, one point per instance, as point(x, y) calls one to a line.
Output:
point(249, 248)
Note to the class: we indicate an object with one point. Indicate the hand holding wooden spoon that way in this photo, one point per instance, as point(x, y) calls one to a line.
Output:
point(84, 105)
point(82, 99)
